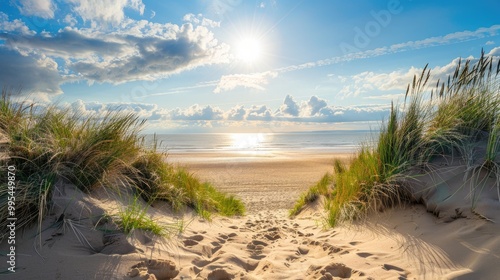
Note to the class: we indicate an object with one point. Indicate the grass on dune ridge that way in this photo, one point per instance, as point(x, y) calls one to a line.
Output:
point(447, 120)
point(45, 145)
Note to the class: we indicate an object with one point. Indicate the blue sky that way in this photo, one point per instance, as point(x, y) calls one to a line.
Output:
point(234, 65)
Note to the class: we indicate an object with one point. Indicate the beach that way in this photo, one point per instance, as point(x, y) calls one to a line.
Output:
point(264, 181)
point(401, 243)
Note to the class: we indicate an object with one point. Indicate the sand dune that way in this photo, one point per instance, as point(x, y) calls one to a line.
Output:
point(414, 242)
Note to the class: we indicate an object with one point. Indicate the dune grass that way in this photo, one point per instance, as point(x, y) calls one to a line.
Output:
point(47, 144)
point(448, 120)
point(312, 194)
point(134, 216)
point(158, 180)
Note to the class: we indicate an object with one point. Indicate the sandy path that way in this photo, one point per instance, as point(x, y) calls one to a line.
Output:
point(262, 182)
point(265, 244)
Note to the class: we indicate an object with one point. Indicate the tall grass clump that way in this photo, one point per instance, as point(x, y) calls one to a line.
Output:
point(158, 180)
point(47, 144)
point(451, 119)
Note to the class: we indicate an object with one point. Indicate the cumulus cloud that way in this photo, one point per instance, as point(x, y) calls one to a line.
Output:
point(39, 73)
point(142, 110)
point(197, 112)
point(203, 116)
point(39, 8)
point(315, 104)
point(16, 25)
point(200, 20)
point(138, 50)
point(290, 107)
point(252, 81)
point(70, 20)
point(259, 113)
point(154, 57)
point(67, 43)
point(237, 113)
point(107, 11)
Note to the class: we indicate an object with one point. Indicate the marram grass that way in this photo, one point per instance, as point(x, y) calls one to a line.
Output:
point(47, 144)
point(445, 121)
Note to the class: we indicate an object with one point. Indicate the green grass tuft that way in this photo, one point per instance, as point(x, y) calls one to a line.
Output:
point(312, 194)
point(134, 217)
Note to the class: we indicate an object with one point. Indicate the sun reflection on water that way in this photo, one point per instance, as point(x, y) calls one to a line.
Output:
point(248, 141)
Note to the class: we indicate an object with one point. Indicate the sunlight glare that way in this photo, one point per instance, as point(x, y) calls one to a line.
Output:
point(249, 50)
point(246, 141)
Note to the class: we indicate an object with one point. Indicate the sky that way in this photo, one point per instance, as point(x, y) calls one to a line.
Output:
point(236, 65)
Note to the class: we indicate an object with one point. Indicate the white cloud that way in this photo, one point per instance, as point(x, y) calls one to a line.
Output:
point(367, 82)
point(489, 43)
point(16, 26)
point(314, 105)
point(252, 81)
point(397, 96)
point(142, 110)
point(136, 5)
point(257, 116)
point(290, 107)
point(259, 113)
point(105, 11)
point(200, 20)
point(138, 50)
point(237, 113)
point(70, 20)
point(197, 112)
point(39, 8)
point(39, 73)
point(451, 38)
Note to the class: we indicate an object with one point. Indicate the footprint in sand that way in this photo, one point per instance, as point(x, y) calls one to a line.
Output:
point(402, 273)
point(256, 247)
point(302, 250)
point(337, 270)
point(161, 269)
point(219, 274)
point(258, 243)
point(331, 249)
point(193, 240)
point(392, 267)
point(272, 234)
point(364, 255)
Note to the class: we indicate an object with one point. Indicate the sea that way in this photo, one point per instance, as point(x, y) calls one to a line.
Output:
point(311, 142)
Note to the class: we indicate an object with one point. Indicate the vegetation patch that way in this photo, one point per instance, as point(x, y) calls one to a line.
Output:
point(47, 144)
point(450, 120)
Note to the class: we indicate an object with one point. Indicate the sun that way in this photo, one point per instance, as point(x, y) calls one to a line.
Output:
point(249, 50)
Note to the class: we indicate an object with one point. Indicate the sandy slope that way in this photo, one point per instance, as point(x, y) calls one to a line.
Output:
point(403, 243)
